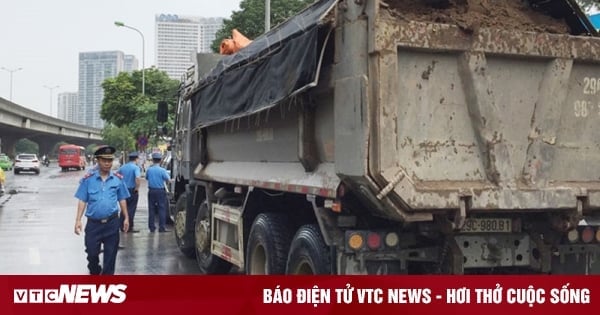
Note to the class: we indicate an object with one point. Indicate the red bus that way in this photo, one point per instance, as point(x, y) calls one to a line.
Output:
point(71, 156)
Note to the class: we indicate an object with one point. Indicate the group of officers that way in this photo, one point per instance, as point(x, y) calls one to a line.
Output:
point(103, 193)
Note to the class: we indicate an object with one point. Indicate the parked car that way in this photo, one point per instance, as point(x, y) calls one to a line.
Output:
point(5, 162)
point(27, 162)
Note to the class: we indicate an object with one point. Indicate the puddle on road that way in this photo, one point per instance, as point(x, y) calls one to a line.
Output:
point(22, 190)
point(28, 214)
point(5, 200)
point(68, 174)
point(25, 191)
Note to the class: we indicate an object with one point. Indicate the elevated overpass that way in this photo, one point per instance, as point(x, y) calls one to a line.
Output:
point(18, 122)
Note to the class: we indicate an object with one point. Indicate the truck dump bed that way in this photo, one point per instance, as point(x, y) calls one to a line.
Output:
point(500, 118)
point(425, 115)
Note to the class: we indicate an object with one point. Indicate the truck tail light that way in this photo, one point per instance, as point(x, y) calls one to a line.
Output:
point(356, 241)
point(336, 206)
point(573, 236)
point(392, 239)
point(587, 235)
point(374, 240)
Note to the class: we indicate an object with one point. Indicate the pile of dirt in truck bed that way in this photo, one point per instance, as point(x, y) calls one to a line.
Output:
point(470, 15)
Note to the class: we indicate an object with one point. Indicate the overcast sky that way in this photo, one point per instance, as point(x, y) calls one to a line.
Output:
point(45, 37)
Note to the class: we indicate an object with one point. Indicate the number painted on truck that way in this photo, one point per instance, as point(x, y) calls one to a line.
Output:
point(492, 225)
point(591, 86)
point(582, 108)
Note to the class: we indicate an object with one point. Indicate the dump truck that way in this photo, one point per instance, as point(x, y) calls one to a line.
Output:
point(395, 137)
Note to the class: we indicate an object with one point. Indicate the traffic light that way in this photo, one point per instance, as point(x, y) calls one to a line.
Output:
point(162, 112)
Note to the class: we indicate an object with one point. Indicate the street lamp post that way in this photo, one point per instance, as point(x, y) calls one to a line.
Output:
point(51, 88)
point(267, 15)
point(11, 71)
point(121, 24)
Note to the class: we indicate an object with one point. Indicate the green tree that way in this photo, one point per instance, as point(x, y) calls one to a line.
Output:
point(147, 125)
point(123, 97)
point(119, 137)
point(120, 100)
point(54, 152)
point(250, 20)
point(27, 146)
point(124, 106)
point(90, 149)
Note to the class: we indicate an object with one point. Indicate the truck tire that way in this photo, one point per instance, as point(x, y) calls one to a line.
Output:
point(184, 242)
point(208, 263)
point(309, 255)
point(268, 244)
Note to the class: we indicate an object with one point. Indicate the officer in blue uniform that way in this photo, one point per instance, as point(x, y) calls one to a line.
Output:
point(131, 176)
point(157, 195)
point(101, 193)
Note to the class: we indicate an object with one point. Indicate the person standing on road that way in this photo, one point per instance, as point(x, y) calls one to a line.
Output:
point(157, 195)
point(142, 161)
point(2, 181)
point(101, 193)
point(131, 176)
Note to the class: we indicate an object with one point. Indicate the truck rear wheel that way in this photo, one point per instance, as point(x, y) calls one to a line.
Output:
point(207, 262)
point(268, 244)
point(184, 242)
point(309, 255)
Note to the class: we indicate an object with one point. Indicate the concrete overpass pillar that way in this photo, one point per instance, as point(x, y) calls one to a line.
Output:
point(45, 147)
point(7, 145)
point(45, 143)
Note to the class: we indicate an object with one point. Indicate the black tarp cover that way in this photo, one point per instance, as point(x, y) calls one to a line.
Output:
point(275, 66)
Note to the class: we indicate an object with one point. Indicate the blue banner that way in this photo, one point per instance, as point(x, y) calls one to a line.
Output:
point(595, 19)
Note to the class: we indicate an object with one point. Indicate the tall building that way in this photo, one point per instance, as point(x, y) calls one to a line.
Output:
point(130, 63)
point(208, 31)
point(94, 68)
point(67, 103)
point(179, 38)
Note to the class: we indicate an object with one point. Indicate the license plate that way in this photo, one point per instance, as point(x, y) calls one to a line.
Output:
point(487, 225)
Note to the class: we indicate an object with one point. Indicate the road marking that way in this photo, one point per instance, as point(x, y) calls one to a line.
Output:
point(34, 256)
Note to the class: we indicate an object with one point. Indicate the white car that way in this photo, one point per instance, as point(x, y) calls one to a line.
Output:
point(26, 162)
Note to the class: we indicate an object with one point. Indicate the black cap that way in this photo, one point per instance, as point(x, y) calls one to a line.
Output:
point(105, 152)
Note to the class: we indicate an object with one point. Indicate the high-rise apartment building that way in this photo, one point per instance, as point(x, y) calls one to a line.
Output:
point(130, 63)
point(67, 102)
point(208, 31)
point(94, 68)
point(179, 38)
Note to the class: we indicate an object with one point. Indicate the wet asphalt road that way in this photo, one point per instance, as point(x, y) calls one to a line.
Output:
point(37, 216)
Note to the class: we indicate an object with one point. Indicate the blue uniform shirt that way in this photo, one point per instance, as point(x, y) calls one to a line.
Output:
point(102, 197)
point(156, 176)
point(130, 172)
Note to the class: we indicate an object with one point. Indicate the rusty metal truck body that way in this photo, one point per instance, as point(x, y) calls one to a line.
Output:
point(412, 147)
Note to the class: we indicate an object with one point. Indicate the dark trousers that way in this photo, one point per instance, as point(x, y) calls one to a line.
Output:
point(132, 202)
point(106, 234)
point(157, 203)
